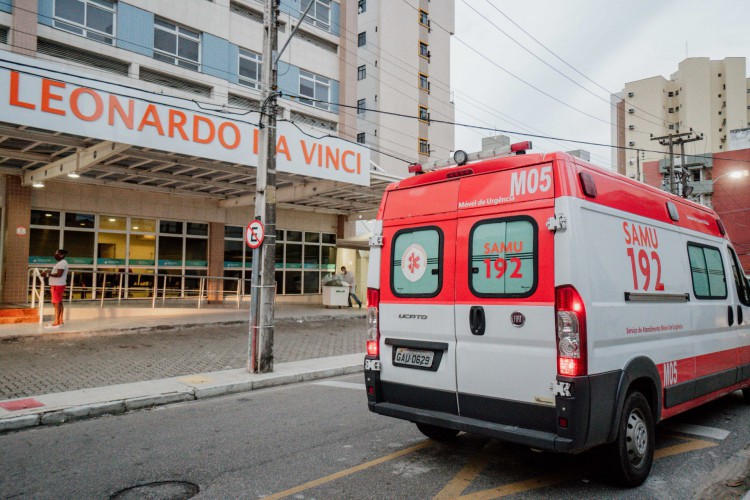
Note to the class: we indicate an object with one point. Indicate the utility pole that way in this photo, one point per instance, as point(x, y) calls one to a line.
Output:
point(263, 294)
point(681, 139)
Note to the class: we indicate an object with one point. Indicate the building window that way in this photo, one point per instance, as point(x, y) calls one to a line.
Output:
point(93, 19)
point(424, 83)
point(176, 45)
point(319, 14)
point(362, 72)
point(424, 50)
point(424, 18)
point(361, 138)
point(250, 65)
point(362, 39)
point(301, 258)
point(362, 6)
point(424, 114)
point(317, 88)
point(361, 105)
point(671, 110)
point(424, 147)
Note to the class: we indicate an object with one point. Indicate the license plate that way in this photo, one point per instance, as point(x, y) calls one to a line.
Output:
point(414, 357)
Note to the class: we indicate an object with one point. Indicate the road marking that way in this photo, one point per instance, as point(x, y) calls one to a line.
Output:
point(477, 464)
point(342, 385)
point(689, 445)
point(347, 472)
point(465, 476)
point(699, 430)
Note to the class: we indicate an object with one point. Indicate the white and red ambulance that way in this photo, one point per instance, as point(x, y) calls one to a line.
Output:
point(544, 301)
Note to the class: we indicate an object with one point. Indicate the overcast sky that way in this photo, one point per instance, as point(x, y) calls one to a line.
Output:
point(609, 41)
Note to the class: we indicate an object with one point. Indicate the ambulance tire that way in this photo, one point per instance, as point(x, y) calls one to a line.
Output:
point(437, 433)
point(746, 393)
point(632, 453)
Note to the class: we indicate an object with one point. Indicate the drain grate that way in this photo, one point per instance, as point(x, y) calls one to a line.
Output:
point(160, 490)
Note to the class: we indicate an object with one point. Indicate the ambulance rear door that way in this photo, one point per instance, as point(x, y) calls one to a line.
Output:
point(417, 337)
point(506, 356)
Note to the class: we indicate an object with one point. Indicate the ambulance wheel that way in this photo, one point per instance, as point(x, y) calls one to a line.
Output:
point(437, 433)
point(746, 393)
point(632, 453)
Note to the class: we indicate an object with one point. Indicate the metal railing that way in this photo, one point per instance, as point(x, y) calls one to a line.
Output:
point(107, 287)
point(37, 292)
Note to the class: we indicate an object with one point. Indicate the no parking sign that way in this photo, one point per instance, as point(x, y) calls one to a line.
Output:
point(254, 233)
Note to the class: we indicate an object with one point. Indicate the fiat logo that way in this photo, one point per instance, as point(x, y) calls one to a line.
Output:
point(518, 319)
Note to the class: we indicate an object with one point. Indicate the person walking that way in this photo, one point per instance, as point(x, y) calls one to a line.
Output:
point(58, 277)
point(348, 276)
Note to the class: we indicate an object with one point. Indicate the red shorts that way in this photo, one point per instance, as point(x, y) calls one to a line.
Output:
point(57, 293)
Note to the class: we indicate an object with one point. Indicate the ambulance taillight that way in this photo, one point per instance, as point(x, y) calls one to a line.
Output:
point(373, 323)
point(571, 332)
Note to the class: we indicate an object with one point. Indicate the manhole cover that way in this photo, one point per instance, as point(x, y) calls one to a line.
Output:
point(162, 490)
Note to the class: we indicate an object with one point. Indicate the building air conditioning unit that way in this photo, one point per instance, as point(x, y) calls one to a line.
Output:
point(631, 143)
point(631, 127)
point(631, 111)
point(631, 94)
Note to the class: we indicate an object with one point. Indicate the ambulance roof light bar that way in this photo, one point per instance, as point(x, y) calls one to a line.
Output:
point(461, 157)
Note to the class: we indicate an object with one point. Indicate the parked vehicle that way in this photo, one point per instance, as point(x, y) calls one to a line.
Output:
point(544, 301)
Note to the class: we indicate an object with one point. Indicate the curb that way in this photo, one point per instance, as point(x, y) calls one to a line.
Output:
point(82, 412)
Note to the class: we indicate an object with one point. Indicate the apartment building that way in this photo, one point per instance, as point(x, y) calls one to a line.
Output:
point(711, 97)
point(404, 68)
point(137, 120)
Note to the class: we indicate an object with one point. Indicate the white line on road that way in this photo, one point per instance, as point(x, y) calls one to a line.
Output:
point(342, 385)
point(699, 430)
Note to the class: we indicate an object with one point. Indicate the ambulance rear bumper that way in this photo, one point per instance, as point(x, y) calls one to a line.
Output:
point(513, 434)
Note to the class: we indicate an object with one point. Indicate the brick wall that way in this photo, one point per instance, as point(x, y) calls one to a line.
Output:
point(16, 251)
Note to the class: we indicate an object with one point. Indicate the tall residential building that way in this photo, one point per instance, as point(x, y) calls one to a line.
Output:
point(404, 68)
point(151, 109)
point(710, 97)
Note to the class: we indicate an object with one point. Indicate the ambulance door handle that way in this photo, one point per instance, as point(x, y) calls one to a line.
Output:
point(739, 315)
point(476, 320)
point(730, 315)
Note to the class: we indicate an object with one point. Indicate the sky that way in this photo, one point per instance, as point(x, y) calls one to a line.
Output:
point(611, 42)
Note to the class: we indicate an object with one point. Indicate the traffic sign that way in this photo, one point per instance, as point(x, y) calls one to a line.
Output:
point(254, 233)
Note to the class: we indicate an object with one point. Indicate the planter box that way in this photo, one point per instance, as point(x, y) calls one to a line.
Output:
point(335, 296)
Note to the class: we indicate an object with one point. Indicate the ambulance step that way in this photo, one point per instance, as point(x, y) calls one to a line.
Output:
point(512, 434)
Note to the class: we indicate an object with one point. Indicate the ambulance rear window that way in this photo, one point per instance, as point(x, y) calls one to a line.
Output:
point(416, 269)
point(707, 270)
point(503, 257)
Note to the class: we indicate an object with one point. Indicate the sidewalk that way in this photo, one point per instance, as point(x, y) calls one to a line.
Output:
point(92, 367)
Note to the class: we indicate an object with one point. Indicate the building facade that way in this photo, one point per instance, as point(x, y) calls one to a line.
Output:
point(157, 214)
point(404, 69)
point(723, 183)
point(709, 97)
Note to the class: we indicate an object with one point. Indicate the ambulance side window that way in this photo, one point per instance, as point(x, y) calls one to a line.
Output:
point(503, 257)
point(743, 288)
point(416, 262)
point(707, 270)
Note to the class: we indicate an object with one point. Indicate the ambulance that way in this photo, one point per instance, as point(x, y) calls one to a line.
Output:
point(544, 301)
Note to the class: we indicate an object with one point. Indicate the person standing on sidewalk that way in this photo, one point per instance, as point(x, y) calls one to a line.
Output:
point(57, 280)
point(348, 276)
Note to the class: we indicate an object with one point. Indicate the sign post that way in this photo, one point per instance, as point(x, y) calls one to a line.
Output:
point(254, 235)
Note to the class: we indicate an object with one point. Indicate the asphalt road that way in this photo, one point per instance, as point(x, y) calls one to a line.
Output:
point(318, 440)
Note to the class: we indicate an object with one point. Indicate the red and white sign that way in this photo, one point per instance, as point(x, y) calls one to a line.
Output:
point(254, 234)
point(45, 95)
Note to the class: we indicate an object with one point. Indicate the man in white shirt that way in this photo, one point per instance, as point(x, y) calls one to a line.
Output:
point(348, 276)
point(57, 280)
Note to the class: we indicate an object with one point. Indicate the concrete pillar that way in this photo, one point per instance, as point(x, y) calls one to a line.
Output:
point(215, 261)
point(16, 241)
point(23, 33)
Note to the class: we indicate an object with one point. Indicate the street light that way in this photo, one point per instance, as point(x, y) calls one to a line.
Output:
point(735, 174)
